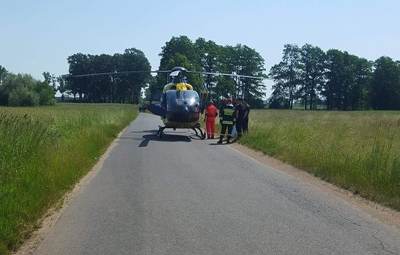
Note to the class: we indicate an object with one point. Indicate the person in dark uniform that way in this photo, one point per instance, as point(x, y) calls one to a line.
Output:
point(227, 115)
point(240, 111)
point(245, 122)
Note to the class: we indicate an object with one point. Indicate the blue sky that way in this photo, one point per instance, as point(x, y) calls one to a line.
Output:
point(38, 35)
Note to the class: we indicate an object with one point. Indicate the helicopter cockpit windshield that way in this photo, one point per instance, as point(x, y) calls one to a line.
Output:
point(186, 100)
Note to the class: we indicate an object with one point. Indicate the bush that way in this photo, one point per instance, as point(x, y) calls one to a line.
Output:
point(46, 94)
point(22, 96)
point(23, 90)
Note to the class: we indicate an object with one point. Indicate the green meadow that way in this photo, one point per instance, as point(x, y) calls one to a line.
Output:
point(359, 151)
point(44, 151)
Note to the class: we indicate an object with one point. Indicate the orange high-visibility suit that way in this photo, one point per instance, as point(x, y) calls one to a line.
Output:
point(211, 113)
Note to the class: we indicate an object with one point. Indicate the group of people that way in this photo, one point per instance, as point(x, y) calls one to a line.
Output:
point(233, 114)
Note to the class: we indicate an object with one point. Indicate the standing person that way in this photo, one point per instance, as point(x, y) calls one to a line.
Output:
point(245, 122)
point(211, 113)
point(240, 110)
point(227, 116)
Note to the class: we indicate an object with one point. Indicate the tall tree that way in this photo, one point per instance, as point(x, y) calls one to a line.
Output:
point(3, 74)
point(286, 76)
point(360, 83)
point(312, 65)
point(243, 60)
point(335, 75)
point(135, 59)
point(79, 64)
point(180, 51)
point(385, 90)
point(3, 94)
point(210, 60)
point(251, 63)
point(62, 86)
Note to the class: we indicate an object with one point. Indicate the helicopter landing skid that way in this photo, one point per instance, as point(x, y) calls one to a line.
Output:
point(160, 131)
point(202, 135)
point(197, 129)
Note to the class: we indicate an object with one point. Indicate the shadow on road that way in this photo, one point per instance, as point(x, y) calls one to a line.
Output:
point(144, 131)
point(165, 138)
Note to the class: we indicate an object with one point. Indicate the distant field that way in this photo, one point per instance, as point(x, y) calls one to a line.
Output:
point(43, 152)
point(359, 151)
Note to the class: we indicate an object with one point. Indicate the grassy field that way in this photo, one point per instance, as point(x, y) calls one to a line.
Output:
point(359, 151)
point(43, 152)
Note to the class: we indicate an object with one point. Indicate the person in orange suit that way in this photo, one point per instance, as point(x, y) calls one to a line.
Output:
point(211, 112)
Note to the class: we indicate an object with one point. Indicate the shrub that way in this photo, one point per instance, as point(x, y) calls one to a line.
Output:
point(45, 93)
point(23, 90)
point(22, 96)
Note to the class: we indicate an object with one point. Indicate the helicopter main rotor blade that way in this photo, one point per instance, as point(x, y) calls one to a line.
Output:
point(113, 73)
point(228, 74)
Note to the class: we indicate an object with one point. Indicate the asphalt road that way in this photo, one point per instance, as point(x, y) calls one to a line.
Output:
point(186, 196)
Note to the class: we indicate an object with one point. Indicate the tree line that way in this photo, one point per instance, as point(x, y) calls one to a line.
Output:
point(306, 75)
point(200, 55)
point(24, 90)
point(208, 56)
point(336, 79)
point(121, 88)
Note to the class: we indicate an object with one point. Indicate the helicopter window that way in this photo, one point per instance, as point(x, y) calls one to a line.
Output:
point(190, 94)
point(177, 98)
point(190, 97)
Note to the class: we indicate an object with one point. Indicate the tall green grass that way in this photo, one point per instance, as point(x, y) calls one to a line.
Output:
point(359, 151)
point(43, 152)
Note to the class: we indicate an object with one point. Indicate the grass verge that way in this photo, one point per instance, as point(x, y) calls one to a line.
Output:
point(358, 151)
point(44, 151)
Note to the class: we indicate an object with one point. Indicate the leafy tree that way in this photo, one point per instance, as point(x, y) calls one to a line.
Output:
point(362, 74)
point(62, 86)
point(312, 65)
point(50, 80)
point(286, 75)
point(180, 51)
point(78, 64)
point(3, 74)
point(347, 81)
point(210, 60)
point(134, 59)
point(280, 97)
point(3, 94)
point(249, 62)
point(334, 91)
point(385, 90)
